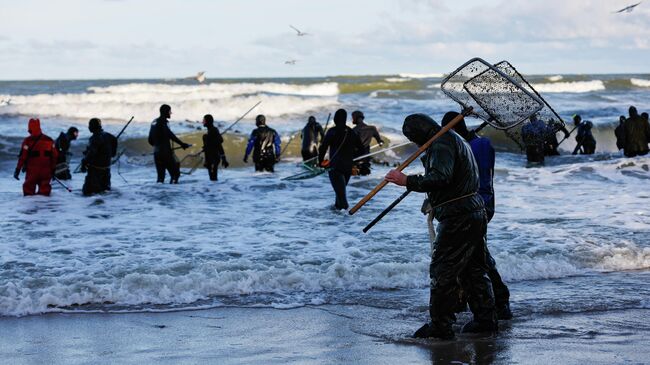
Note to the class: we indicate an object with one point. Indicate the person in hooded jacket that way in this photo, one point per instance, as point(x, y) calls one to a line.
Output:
point(451, 182)
point(585, 141)
point(160, 137)
point(619, 133)
point(311, 136)
point(637, 134)
point(213, 148)
point(96, 163)
point(38, 156)
point(265, 144)
point(343, 145)
point(534, 135)
point(366, 133)
point(485, 158)
point(62, 144)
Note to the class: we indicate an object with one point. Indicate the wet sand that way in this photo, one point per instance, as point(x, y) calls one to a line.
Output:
point(314, 335)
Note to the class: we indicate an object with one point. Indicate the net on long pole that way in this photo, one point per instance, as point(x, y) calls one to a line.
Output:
point(497, 98)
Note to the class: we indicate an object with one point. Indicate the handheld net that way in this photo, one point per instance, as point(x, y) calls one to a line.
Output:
point(496, 98)
point(193, 161)
point(548, 115)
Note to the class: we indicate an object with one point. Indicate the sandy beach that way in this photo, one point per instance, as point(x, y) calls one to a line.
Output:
point(312, 335)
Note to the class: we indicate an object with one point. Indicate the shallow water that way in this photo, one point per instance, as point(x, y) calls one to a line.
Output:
point(569, 237)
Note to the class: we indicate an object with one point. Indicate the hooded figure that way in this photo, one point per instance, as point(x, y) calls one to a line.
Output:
point(213, 148)
point(311, 136)
point(366, 133)
point(485, 157)
point(37, 158)
point(62, 144)
point(265, 143)
point(161, 137)
point(637, 134)
point(585, 141)
point(343, 145)
point(451, 182)
point(101, 148)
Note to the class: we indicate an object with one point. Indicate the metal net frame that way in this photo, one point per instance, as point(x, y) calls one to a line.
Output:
point(548, 115)
point(495, 97)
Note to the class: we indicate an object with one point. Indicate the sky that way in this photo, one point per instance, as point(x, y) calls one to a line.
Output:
point(91, 39)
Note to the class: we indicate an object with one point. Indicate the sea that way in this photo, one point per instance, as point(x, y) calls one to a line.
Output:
point(572, 236)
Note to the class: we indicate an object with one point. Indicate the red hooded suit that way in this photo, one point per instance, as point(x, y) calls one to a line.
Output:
point(38, 156)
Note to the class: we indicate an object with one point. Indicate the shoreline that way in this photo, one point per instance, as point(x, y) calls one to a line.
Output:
point(313, 334)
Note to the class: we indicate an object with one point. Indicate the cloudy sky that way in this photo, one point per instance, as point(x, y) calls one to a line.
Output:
point(82, 39)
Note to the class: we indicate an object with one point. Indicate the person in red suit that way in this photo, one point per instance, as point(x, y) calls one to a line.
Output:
point(38, 156)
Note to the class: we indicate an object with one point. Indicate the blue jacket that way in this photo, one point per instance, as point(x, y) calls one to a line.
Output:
point(484, 155)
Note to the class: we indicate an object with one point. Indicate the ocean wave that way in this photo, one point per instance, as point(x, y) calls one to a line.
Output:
point(640, 82)
point(421, 76)
point(555, 78)
point(570, 87)
point(224, 101)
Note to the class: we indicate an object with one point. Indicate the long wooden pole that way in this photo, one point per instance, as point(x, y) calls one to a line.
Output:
point(412, 158)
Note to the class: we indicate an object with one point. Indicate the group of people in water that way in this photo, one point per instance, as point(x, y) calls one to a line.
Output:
point(540, 140)
point(457, 180)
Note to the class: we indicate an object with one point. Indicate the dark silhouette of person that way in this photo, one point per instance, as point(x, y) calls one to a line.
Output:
point(62, 143)
point(637, 134)
point(366, 133)
point(585, 141)
point(458, 262)
point(213, 148)
point(343, 145)
point(534, 135)
point(102, 146)
point(37, 157)
point(160, 137)
point(312, 134)
point(551, 144)
point(264, 142)
point(485, 158)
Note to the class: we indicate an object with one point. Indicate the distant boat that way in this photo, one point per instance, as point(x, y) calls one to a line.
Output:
point(628, 9)
point(298, 32)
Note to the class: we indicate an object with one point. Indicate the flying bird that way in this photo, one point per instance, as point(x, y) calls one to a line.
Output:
point(628, 9)
point(290, 62)
point(200, 77)
point(298, 32)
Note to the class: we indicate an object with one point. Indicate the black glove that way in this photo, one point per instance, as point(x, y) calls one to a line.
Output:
point(185, 146)
point(224, 162)
point(16, 174)
point(245, 159)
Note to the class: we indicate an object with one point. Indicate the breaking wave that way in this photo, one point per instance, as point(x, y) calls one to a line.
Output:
point(224, 101)
point(570, 87)
point(640, 82)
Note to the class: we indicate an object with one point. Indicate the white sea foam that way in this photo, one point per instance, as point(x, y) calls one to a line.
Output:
point(555, 78)
point(224, 101)
point(640, 82)
point(257, 237)
point(570, 87)
point(421, 76)
point(397, 79)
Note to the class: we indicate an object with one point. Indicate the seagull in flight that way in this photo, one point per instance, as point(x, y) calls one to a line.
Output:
point(200, 77)
point(298, 32)
point(628, 9)
point(290, 62)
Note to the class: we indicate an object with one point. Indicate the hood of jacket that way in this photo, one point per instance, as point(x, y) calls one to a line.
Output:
point(34, 127)
point(419, 128)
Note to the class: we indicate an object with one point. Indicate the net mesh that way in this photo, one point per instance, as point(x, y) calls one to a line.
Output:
point(191, 162)
point(495, 97)
point(554, 123)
